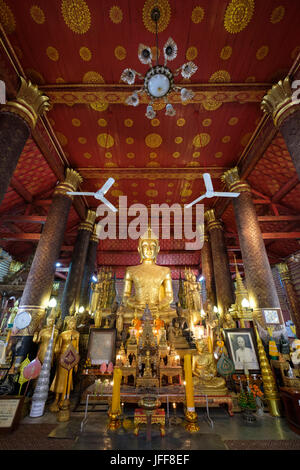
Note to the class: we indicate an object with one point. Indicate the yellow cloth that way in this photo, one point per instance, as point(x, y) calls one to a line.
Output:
point(189, 389)
point(115, 402)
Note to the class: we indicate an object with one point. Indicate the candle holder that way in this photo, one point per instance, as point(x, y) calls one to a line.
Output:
point(191, 421)
point(174, 419)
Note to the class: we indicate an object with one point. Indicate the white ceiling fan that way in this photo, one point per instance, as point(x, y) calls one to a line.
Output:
point(210, 191)
point(99, 194)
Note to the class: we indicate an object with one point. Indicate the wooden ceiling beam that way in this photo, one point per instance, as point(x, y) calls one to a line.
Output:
point(285, 189)
point(20, 190)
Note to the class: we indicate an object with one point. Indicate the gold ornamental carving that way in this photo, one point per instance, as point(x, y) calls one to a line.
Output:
point(211, 221)
point(232, 179)
point(94, 236)
point(283, 271)
point(29, 104)
point(88, 224)
point(7, 18)
point(279, 102)
point(165, 15)
point(238, 14)
point(73, 179)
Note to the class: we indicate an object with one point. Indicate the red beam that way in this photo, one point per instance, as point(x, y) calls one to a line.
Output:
point(32, 219)
point(18, 237)
point(286, 188)
point(278, 218)
point(20, 190)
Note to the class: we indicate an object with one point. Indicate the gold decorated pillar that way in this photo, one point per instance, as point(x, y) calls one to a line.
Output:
point(18, 118)
point(208, 270)
point(223, 282)
point(71, 293)
point(260, 283)
point(280, 103)
point(291, 295)
point(39, 282)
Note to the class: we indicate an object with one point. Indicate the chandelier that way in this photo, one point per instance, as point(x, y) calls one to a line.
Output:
point(159, 79)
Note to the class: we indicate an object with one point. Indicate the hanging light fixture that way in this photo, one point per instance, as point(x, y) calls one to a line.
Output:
point(159, 79)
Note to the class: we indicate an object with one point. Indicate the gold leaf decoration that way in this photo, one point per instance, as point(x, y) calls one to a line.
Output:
point(155, 122)
point(108, 155)
point(211, 104)
point(191, 53)
point(128, 122)
point(277, 14)
point(178, 140)
point(102, 122)
point(85, 53)
point(129, 140)
point(153, 140)
point(218, 154)
point(116, 14)
point(262, 52)
point(238, 14)
point(99, 106)
point(37, 14)
point(120, 52)
point(196, 154)
point(197, 15)
point(82, 140)
point(221, 76)
point(76, 15)
point(180, 122)
point(130, 155)
point(233, 121)
point(92, 77)
point(52, 53)
point(201, 140)
point(152, 192)
point(164, 19)
point(76, 122)
point(62, 138)
point(7, 18)
point(176, 155)
point(226, 52)
point(226, 139)
point(206, 122)
point(105, 140)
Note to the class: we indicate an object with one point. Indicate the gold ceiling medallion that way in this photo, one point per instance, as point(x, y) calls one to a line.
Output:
point(238, 14)
point(99, 106)
point(76, 15)
point(211, 104)
point(85, 53)
point(116, 14)
point(277, 14)
point(165, 15)
point(105, 140)
point(197, 15)
point(120, 53)
point(37, 14)
point(7, 18)
point(92, 77)
point(201, 140)
point(226, 52)
point(221, 76)
point(62, 138)
point(153, 140)
point(52, 53)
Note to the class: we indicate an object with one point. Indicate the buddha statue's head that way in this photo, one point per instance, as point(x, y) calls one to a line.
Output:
point(148, 247)
point(201, 345)
point(50, 321)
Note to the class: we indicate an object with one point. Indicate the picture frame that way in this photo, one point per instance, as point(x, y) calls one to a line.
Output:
point(272, 316)
point(242, 352)
point(10, 412)
point(101, 345)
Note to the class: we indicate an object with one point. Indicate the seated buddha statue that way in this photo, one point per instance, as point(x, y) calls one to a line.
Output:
point(152, 283)
point(205, 372)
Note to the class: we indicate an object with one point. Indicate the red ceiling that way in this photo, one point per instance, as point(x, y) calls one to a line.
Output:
point(121, 137)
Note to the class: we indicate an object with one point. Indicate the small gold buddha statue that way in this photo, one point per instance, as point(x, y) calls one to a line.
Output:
point(43, 336)
point(148, 369)
point(228, 321)
point(59, 384)
point(152, 283)
point(205, 372)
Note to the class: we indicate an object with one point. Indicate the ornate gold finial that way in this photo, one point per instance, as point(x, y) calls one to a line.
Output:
point(240, 290)
point(70, 183)
point(279, 102)
point(210, 219)
point(232, 179)
point(88, 224)
point(30, 103)
point(270, 388)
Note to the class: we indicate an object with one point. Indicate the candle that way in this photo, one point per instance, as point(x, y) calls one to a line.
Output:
point(189, 389)
point(115, 403)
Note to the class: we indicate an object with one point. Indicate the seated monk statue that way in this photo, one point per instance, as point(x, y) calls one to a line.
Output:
point(152, 283)
point(205, 372)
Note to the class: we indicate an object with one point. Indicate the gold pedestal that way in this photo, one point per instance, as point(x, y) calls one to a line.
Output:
point(191, 421)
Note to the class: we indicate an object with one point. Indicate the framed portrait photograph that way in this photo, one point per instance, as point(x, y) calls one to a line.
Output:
point(272, 316)
point(242, 349)
point(101, 345)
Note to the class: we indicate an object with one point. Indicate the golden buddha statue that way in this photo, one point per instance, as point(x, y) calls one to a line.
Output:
point(43, 336)
point(205, 372)
point(152, 283)
point(59, 384)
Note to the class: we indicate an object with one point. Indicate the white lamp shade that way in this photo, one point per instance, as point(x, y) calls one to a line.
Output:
point(159, 85)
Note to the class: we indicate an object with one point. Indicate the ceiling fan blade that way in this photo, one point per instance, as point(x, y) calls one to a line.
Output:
point(108, 204)
point(74, 193)
point(226, 194)
point(195, 201)
point(208, 182)
point(107, 185)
